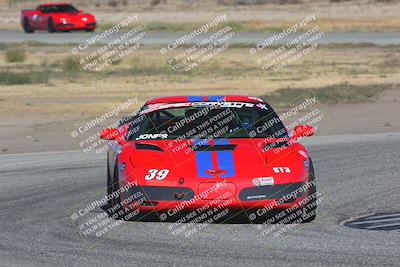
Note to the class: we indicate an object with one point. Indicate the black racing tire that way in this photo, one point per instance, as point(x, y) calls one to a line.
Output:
point(27, 26)
point(50, 26)
point(114, 203)
point(109, 180)
point(310, 211)
point(89, 30)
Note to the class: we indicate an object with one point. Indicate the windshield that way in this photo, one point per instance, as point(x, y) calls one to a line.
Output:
point(58, 9)
point(207, 120)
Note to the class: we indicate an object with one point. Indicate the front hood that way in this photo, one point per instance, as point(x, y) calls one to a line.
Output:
point(232, 160)
point(186, 153)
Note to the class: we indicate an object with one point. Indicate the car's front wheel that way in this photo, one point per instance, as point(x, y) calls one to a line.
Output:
point(50, 26)
point(27, 26)
point(114, 200)
point(310, 210)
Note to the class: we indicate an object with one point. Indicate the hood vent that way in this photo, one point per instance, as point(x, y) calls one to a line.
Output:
point(281, 144)
point(140, 146)
point(228, 147)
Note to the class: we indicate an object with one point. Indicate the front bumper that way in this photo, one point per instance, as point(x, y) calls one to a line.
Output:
point(75, 26)
point(172, 199)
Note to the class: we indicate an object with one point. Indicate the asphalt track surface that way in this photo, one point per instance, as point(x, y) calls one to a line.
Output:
point(356, 175)
point(162, 38)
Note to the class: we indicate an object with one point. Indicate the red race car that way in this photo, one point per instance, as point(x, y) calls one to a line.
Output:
point(56, 17)
point(196, 153)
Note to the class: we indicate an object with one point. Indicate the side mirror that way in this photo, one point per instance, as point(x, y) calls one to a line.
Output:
point(80, 10)
point(112, 134)
point(302, 130)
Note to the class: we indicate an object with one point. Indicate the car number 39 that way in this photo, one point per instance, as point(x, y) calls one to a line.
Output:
point(158, 174)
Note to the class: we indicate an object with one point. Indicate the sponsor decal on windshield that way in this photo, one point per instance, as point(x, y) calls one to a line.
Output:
point(152, 136)
point(159, 106)
point(223, 104)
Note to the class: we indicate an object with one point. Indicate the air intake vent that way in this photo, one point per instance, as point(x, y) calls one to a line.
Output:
point(148, 147)
point(228, 147)
point(273, 145)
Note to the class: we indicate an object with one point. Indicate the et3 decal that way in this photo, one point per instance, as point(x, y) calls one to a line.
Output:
point(281, 169)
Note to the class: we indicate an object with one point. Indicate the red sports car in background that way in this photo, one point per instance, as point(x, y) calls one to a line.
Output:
point(56, 17)
point(196, 152)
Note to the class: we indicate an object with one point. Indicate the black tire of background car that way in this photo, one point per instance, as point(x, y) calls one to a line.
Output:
point(50, 26)
point(26, 26)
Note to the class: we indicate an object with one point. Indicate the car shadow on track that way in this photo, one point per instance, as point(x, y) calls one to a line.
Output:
point(206, 216)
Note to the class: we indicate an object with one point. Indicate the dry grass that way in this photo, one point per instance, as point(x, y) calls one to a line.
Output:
point(386, 23)
point(177, 15)
point(15, 55)
point(145, 74)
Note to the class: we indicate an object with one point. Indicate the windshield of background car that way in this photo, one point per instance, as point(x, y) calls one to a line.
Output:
point(58, 9)
point(207, 120)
